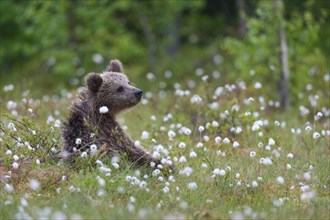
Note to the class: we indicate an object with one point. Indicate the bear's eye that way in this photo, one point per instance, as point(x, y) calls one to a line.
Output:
point(120, 89)
point(129, 83)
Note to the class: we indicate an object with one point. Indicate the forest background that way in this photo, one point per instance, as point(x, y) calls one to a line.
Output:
point(51, 45)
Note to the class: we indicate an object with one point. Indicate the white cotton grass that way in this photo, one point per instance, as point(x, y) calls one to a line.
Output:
point(204, 165)
point(253, 154)
point(316, 135)
point(182, 145)
point(254, 184)
point(182, 159)
point(93, 149)
point(271, 142)
point(192, 185)
point(8, 88)
point(219, 172)
point(186, 171)
point(280, 180)
point(266, 161)
point(171, 134)
point(78, 141)
point(217, 140)
point(100, 181)
point(145, 135)
point(289, 155)
point(257, 85)
point(115, 165)
point(193, 154)
point(226, 140)
point(288, 166)
point(235, 144)
point(104, 109)
point(307, 196)
point(15, 165)
point(35, 185)
point(15, 157)
point(9, 187)
point(307, 176)
point(308, 128)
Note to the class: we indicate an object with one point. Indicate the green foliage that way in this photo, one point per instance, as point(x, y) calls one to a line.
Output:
point(59, 39)
point(258, 54)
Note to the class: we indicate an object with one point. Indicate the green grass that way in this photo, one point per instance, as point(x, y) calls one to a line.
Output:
point(78, 194)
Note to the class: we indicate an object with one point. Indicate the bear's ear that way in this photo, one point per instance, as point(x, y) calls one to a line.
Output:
point(93, 82)
point(115, 66)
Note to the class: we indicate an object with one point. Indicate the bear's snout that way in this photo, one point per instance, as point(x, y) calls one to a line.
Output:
point(138, 94)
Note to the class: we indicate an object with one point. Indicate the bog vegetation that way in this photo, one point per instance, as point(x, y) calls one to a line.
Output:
point(210, 108)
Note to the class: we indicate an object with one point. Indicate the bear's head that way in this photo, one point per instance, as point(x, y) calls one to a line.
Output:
point(112, 89)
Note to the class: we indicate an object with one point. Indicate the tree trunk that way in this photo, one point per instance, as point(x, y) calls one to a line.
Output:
point(151, 40)
point(173, 35)
point(285, 72)
point(242, 18)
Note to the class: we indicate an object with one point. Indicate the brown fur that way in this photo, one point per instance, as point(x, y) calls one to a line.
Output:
point(113, 90)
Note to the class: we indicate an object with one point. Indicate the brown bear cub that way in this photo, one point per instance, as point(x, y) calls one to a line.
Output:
point(92, 124)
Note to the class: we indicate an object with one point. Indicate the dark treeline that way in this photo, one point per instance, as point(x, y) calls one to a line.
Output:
point(55, 43)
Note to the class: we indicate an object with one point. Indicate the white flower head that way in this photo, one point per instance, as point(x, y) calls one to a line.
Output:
point(104, 109)
point(222, 172)
point(215, 124)
point(308, 128)
point(307, 196)
point(216, 171)
point(196, 99)
point(78, 141)
point(145, 135)
point(115, 165)
point(93, 149)
point(9, 187)
point(97, 58)
point(255, 127)
point(307, 176)
point(192, 185)
point(290, 155)
point(15, 165)
point(217, 140)
point(280, 180)
point(187, 131)
point(271, 142)
point(257, 85)
point(171, 134)
point(316, 135)
point(182, 159)
point(83, 154)
point(253, 154)
point(193, 154)
point(15, 157)
point(226, 140)
point(182, 145)
point(34, 185)
point(254, 184)
point(235, 144)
